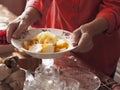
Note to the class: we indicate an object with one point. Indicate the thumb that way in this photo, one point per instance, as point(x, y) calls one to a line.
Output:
point(76, 37)
point(20, 29)
point(10, 30)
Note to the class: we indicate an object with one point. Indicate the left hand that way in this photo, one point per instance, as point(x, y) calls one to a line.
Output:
point(83, 40)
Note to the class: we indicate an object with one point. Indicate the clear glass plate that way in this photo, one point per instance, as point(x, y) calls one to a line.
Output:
point(42, 82)
point(87, 80)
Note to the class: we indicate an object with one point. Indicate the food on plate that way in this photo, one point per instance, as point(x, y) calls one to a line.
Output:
point(45, 42)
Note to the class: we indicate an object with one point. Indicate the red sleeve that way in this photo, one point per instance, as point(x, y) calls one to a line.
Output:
point(42, 6)
point(37, 4)
point(110, 9)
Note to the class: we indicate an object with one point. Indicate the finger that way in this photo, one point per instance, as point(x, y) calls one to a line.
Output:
point(21, 28)
point(80, 42)
point(9, 33)
point(85, 43)
point(76, 37)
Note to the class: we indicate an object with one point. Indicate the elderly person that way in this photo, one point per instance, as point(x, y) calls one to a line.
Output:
point(94, 23)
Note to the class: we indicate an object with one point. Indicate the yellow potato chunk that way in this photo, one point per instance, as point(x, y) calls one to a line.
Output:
point(45, 42)
point(61, 44)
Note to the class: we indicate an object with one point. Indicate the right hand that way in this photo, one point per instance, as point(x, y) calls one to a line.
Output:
point(20, 24)
point(15, 28)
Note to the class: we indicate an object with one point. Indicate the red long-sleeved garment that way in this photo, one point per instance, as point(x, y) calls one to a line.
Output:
point(71, 14)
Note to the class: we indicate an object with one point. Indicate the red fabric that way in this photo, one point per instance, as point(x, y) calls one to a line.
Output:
point(70, 14)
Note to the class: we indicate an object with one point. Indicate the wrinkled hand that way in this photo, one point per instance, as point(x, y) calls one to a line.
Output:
point(84, 34)
point(20, 24)
point(15, 28)
point(83, 40)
